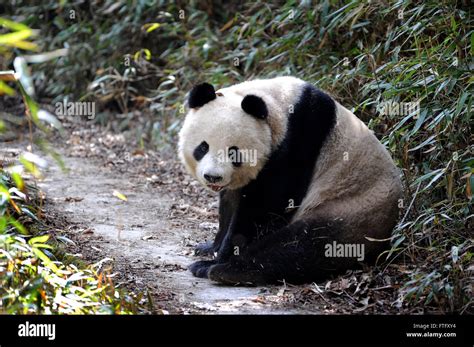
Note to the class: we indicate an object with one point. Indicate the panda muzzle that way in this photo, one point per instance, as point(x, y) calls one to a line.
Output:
point(215, 187)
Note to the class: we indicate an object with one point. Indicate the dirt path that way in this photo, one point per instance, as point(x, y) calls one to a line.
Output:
point(150, 245)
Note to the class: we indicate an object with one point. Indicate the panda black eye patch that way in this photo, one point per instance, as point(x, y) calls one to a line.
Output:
point(234, 155)
point(201, 150)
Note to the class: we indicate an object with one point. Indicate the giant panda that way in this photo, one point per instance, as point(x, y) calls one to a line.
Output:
point(318, 181)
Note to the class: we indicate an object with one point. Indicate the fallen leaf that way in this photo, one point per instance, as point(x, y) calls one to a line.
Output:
point(227, 25)
point(119, 195)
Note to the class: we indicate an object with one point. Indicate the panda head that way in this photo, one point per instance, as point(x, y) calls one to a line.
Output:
point(225, 139)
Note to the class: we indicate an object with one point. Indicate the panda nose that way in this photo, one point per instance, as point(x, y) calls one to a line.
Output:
point(212, 179)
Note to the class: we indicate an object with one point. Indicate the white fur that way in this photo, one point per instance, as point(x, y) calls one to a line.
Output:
point(222, 124)
point(355, 180)
point(279, 94)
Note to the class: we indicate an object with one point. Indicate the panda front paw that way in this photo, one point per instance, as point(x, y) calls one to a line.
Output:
point(205, 248)
point(201, 268)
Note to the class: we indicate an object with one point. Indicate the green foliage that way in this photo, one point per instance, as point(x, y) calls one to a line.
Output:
point(365, 53)
point(35, 279)
point(17, 38)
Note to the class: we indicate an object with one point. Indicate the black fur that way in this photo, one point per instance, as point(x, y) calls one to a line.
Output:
point(289, 170)
point(234, 152)
point(228, 202)
point(201, 268)
point(201, 150)
point(205, 248)
point(201, 95)
point(294, 254)
point(255, 233)
point(255, 106)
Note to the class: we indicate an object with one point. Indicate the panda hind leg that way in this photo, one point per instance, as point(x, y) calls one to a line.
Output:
point(201, 268)
point(294, 254)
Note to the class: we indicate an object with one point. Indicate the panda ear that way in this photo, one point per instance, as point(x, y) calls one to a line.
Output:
point(201, 95)
point(255, 106)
